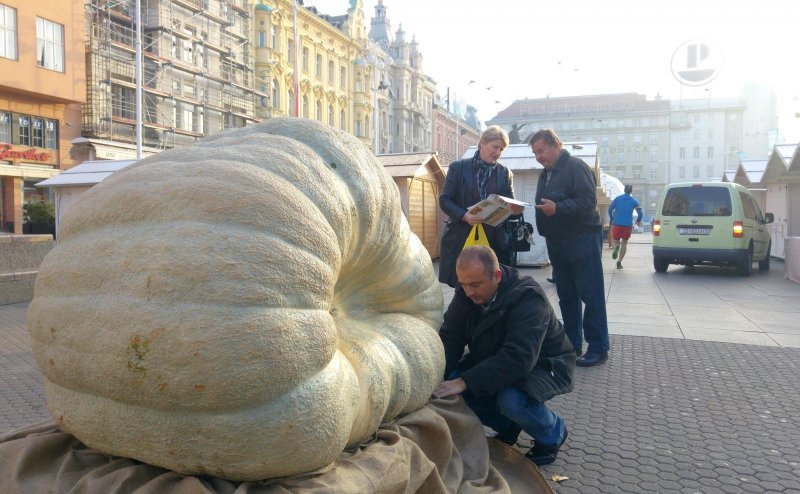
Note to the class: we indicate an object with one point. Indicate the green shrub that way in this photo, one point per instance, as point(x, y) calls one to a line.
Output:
point(39, 213)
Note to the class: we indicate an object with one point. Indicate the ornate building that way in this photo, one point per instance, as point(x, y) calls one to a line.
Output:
point(333, 81)
point(406, 120)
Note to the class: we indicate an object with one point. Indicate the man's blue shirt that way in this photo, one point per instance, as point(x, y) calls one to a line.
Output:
point(620, 212)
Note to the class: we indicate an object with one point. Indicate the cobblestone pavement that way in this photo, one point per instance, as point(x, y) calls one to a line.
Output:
point(663, 415)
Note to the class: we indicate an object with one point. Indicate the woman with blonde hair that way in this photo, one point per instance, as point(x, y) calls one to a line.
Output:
point(469, 181)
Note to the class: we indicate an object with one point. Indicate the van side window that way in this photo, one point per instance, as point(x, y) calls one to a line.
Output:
point(759, 214)
point(747, 205)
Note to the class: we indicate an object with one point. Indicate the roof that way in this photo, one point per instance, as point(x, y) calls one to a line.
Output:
point(519, 156)
point(779, 162)
point(751, 171)
point(87, 173)
point(409, 164)
point(728, 176)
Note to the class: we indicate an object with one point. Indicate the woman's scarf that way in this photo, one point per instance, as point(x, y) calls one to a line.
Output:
point(484, 170)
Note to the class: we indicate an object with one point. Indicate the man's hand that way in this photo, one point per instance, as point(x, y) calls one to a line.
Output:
point(547, 206)
point(449, 388)
point(472, 219)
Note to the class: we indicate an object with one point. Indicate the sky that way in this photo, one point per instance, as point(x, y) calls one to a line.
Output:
point(516, 49)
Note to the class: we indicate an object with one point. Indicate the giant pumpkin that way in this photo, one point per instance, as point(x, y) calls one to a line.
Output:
point(245, 307)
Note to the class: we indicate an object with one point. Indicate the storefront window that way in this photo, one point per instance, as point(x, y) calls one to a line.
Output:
point(51, 134)
point(24, 130)
point(5, 127)
point(38, 133)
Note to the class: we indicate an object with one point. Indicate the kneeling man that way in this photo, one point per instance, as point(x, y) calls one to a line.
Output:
point(519, 356)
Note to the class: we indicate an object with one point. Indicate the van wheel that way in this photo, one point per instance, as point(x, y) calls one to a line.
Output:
point(764, 265)
point(661, 265)
point(746, 263)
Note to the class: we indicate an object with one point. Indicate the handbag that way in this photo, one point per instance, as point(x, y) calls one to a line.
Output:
point(522, 233)
point(477, 236)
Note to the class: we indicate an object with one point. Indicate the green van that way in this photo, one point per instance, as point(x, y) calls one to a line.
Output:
point(712, 223)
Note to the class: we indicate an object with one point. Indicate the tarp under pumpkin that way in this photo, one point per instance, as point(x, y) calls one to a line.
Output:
point(441, 448)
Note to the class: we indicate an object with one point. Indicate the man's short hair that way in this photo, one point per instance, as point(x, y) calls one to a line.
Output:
point(628, 189)
point(548, 135)
point(481, 254)
point(493, 133)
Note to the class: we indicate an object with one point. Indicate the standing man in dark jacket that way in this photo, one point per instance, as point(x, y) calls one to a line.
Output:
point(567, 217)
point(519, 356)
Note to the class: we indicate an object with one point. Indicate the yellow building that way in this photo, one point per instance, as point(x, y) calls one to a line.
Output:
point(42, 83)
point(334, 81)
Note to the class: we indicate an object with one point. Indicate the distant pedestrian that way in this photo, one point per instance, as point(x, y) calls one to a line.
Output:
point(567, 217)
point(620, 213)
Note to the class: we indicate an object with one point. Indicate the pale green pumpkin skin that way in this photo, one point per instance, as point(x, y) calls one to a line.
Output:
point(245, 307)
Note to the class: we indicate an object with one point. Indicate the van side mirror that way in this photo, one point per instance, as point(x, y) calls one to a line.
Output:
point(769, 218)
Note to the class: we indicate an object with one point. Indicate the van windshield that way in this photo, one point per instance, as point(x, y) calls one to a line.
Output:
point(697, 201)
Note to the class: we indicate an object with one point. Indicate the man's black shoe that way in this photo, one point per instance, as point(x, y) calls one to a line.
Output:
point(551, 280)
point(545, 455)
point(591, 359)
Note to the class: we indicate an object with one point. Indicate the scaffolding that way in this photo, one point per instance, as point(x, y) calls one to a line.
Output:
point(197, 70)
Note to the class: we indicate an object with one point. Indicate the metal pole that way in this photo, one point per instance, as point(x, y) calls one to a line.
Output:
point(138, 45)
point(296, 51)
point(455, 112)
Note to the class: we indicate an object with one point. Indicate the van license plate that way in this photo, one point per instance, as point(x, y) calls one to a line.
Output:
point(694, 231)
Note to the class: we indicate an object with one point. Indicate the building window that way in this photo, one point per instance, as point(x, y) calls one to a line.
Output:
point(24, 130)
point(696, 118)
point(342, 77)
point(604, 142)
point(305, 59)
point(653, 140)
point(653, 174)
point(5, 127)
point(710, 151)
point(319, 66)
point(710, 171)
point(273, 33)
point(49, 44)
point(637, 172)
point(290, 51)
point(682, 172)
point(262, 39)
point(696, 152)
point(621, 173)
point(653, 157)
point(710, 133)
point(682, 153)
point(620, 158)
point(695, 171)
point(696, 135)
point(276, 100)
point(8, 32)
point(620, 141)
point(305, 106)
point(637, 156)
point(51, 134)
point(358, 127)
point(342, 122)
point(733, 117)
point(38, 133)
point(330, 115)
point(290, 108)
point(331, 70)
point(637, 140)
point(319, 111)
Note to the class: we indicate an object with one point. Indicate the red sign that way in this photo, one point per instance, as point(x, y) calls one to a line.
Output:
point(25, 153)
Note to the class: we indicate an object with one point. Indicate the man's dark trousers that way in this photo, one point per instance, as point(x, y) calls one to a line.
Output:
point(578, 273)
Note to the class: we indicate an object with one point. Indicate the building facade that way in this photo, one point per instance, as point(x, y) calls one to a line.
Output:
point(705, 139)
point(42, 84)
point(452, 135)
point(197, 74)
point(632, 134)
